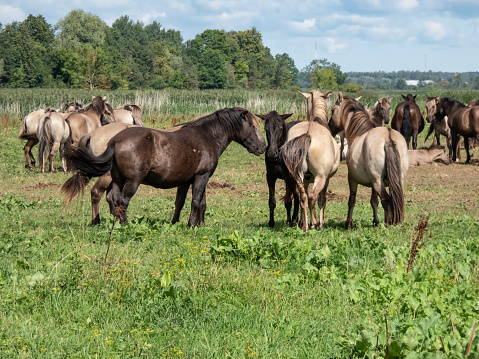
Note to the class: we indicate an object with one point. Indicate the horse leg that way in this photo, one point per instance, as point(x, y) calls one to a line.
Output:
point(374, 204)
point(353, 188)
point(271, 179)
point(288, 203)
point(181, 193)
point(198, 191)
point(62, 157)
point(466, 146)
point(129, 189)
point(318, 186)
point(414, 140)
point(202, 210)
point(322, 203)
point(294, 219)
point(96, 193)
point(455, 142)
point(27, 149)
point(437, 136)
point(53, 153)
point(380, 190)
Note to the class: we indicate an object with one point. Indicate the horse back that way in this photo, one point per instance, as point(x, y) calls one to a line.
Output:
point(465, 121)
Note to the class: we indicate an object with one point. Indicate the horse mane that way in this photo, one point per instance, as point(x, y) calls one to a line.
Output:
point(359, 123)
point(228, 119)
point(455, 103)
point(319, 107)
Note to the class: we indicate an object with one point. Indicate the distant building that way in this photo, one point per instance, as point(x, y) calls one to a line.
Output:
point(416, 82)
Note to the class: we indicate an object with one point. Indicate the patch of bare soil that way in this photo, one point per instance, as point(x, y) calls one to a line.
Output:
point(40, 186)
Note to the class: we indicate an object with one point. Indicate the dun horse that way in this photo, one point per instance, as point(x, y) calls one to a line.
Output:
point(462, 121)
point(428, 156)
point(311, 155)
point(88, 120)
point(377, 158)
point(407, 119)
point(185, 157)
point(131, 114)
point(276, 134)
point(53, 133)
point(379, 113)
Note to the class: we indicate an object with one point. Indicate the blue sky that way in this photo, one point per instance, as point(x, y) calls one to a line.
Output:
point(358, 35)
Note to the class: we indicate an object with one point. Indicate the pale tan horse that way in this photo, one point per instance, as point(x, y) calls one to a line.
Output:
point(53, 133)
point(131, 114)
point(377, 158)
point(87, 121)
point(311, 154)
point(379, 113)
point(29, 125)
point(428, 155)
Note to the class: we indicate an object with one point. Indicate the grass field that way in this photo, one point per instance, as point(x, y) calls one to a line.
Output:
point(234, 288)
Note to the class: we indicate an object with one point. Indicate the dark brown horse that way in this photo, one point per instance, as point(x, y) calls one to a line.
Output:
point(408, 120)
point(276, 133)
point(161, 159)
point(462, 121)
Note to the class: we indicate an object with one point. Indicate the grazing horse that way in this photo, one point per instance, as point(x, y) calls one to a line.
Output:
point(377, 158)
point(131, 114)
point(276, 134)
point(407, 119)
point(428, 155)
point(161, 159)
point(83, 122)
point(311, 155)
point(473, 103)
point(379, 113)
point(462, 121)
point(53, 133)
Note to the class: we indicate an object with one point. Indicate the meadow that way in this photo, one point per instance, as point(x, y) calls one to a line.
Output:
point(233, 288)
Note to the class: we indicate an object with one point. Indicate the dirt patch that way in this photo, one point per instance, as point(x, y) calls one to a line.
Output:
point(40, 186)
point(214, 185)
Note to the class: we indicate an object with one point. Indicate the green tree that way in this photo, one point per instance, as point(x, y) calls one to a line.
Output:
point(285, 73)
point(324, 79)
point(212, 70)
point(305, 77)
point(401, 84)
point(79, 27)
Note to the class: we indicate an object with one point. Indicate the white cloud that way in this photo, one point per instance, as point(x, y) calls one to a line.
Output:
point(334, 46)
point(435, 30)
point(151, 16)
point(406, 5)
point(9, 14)
point(304, 26)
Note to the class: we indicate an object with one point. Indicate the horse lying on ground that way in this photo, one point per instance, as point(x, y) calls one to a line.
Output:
point(161, 159)
point(428, 155)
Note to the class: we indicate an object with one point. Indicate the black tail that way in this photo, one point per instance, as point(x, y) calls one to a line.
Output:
point(86, 165)
point(396, 196)
point(406, 127)
point(43, 145)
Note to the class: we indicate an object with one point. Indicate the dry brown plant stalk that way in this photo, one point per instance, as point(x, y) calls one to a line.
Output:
point(418, 242)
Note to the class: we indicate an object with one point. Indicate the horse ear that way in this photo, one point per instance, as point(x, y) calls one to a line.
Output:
point(104, 98)
point(305, 94)
point(415, 96)
point(404, 97)
point(93, 97)
point(328, 94)
point(358, 98)
point(285, 116)
point(340, 97)
point(389, 99)
point(263, 117)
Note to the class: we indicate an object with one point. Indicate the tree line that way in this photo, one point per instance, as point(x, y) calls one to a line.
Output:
point(82, 51)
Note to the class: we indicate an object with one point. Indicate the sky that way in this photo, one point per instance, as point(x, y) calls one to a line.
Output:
point(358, 35)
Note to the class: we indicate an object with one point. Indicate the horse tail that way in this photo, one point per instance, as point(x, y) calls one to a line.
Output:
point(292, 156)
point(406, 127)
point(87, 166)
point(395, 200)
point(137, 119)
point(23, 134)
point(431, 130)
point(43, 131)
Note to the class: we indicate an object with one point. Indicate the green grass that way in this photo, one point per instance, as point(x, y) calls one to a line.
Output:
point(234, 288)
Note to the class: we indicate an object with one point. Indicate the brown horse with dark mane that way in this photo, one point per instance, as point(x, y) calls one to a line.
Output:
point(462, 121)
point(181, 158)
point(408, 120)
point(276, 130)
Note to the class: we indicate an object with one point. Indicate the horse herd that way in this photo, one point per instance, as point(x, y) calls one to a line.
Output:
point(112, 144)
